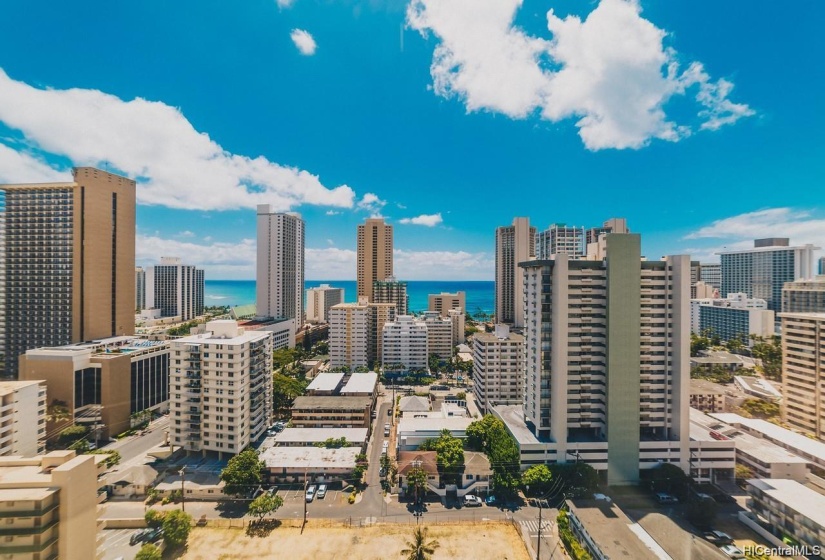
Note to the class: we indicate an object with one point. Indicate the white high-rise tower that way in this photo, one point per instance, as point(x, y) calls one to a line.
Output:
point(280, 265)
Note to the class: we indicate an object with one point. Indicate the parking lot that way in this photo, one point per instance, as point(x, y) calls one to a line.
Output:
point(116, 544)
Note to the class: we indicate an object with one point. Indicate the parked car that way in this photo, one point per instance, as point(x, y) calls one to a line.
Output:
point(310, 495)
point(386, 430)
point(472, 501)
point(665, 498)
point(322, 491)
point(139, 536)
point(490, 500)
point(382, 472)
point(272, 490)
point(718, 537)
point(153, 535)
point(732, 551)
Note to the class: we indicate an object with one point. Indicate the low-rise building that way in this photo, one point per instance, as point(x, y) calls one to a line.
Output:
point(313, 464)
point(132, 482)
point(712, 459)
point(736, 316)
point(733, 362)
point(788, 508)
point(757, 387)
point(412, 432)
point(22, 418)
point(606, 532)
point(197, 485)
point(414, 405)
point(331, 412)
point(361, 385)
point(103, 382)
point(707, 396)
point(309, 437)
point(326, 384)
point(425, 460)
point(49, 506)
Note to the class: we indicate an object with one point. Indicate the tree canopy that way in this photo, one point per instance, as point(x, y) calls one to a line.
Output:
point(176, 527)
point(490, 436)
point(418, 548)
point(243, 473)
point(265, 504)
point(537, 478)
point(449, 454)
point(149, 552)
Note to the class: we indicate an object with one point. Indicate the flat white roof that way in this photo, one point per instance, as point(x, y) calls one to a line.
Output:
point(788, 438)
point(326, 382)
point(794, 496)
point(360, 383)
point(413, 425)
point(312, 435)
point(513, 418)
point(310, 457)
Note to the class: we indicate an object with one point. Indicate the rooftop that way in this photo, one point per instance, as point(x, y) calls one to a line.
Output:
point(513, 418)
point(760, 449)
point(327, 382)
point(795, 496)
point(312, 435)
point(408, 460)
point(361, 383)
point(414, 403)
point(310, 457)
point(611, 530)
point(704, 387)
point(413, 425)
point(787, 438)
point(336, 402)
point(8, 387)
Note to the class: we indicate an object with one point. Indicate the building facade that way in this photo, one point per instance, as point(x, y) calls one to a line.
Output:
point(280, 265)
point(560, 238)
point(391, 290)
point(439, 335)
point(102, 383)
point(380, 315)
point(445, 301)
point(175, 288)
point(736, 316)
point(514, 244)
point(607, 365)
point(789, 508)
point(320, 300)
point(404, 345)
point(49, 506)
point(803, 372)
point(22, 418)
point(140, 289)
point(68, 258)
point(711, 274)
point(221, 388)
point(595, 237)
point(374, 255)
point(804, 296)
point(349, 335)
point(332, 412)
point(498, 368)
point(458, 320)
point(761, 272)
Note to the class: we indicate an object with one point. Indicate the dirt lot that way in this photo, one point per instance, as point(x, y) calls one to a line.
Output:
point(479, 541)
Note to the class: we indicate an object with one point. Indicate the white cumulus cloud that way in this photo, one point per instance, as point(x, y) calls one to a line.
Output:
point(20, 167)
point(610, 71)
point(303, 41)
point(443, 265)
point(372, 204)
point(174, 164)
point(284, 3)
point(428, 220)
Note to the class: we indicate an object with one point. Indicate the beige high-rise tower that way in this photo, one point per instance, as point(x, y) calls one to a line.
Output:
point(374, 254)
point(68, 262)
point(514, 244)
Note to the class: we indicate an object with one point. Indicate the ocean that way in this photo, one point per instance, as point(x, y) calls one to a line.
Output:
point(480, 293)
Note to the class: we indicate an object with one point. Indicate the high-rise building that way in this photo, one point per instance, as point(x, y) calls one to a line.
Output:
point(349, 335)
point(711, 274)
point(803, 374)
point(320, 300)
point(439, 335)
point(606, 359)
point(49, 505)
point(222, 389)
point(595, 237)
point(280, 265)
point(102, 383)
point(762, 271)
point(374, 255)
point(404, 345)
point(446, 301)
point(380, 314)
point(560, 238)
point(514, 244)
point(498, 368)
point(736, 316)
point(391, 290)
point(68, 259)
point(140, 289)
point(821, 265)
point(804, 296)
point(458, 321)
point(702, 290)
point(22, 418)
point(175, 289)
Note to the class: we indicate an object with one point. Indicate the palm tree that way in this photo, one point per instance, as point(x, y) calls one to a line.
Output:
point(419, 548)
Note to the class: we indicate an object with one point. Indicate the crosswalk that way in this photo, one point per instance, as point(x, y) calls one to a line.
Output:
point(532, 526)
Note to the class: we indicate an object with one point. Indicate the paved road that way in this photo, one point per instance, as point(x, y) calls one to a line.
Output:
point(133, 449)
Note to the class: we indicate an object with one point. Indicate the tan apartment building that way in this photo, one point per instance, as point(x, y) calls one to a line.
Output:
point(375, 259)
point(391, 290)
point(707, 396)
point(332, 412)
point(458, 320)
point(439, 335)
point(22, 418)
point(320, 300)
point(803, 372)
point(804, 296)
point(349, 335)
point(69, 260)
point(446, 301)
point(49, 507)
point(102, 382)
point(514, 244)
point(380, 315)
point(498, 368)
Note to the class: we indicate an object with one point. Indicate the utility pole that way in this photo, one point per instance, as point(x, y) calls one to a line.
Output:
point(305, 500)
point(538, 546)
point(182, 488)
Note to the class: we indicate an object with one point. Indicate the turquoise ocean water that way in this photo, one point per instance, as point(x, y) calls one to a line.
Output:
point(480, 294)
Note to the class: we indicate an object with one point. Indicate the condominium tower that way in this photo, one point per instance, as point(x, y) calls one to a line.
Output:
point(560, 238)
point(175, 288)
point(22, 418)
point(140, 289)
point(498, 368)
point(803, 374)
point(804, 296)
point(439, 335)
point(405, 344)
point(514, 244)
point(446, 301)
point(607, 365)
point(375, 260)
point(221, 391)
point(67, 262)
point(391, 290)
point(711, 274)
point(280, 265)
point(349, 335)
point(320, 300)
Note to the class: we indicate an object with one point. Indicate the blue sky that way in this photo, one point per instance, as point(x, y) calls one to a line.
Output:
point(700, 122)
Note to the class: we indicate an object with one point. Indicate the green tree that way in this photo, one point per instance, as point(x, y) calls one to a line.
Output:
point(57, 412)
point(73, 433)
point(176, 527)
point(770, 352)
point(284, 391)
point(264, 505)
point(242, 473)
point(490, 436)
point(149, 552)
point(154, 518)
point(537, 478)
point(332, 443)
point(418, 548)
point(417, 480)
point(433, 362)
point(760, 409)
point(743, 472)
